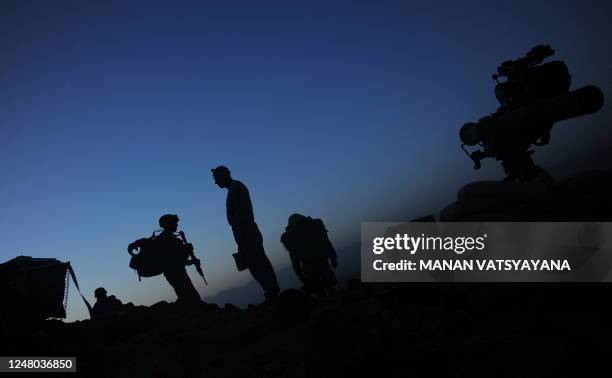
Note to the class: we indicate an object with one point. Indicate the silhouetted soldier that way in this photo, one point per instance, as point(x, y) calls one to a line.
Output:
point(240, 216)
point(105, 305)
point(176, 257)
point(311, 253)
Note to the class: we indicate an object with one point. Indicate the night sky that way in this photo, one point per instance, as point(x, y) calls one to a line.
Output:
point(113, 112)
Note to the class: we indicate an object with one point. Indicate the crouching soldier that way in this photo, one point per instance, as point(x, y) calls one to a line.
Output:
point(171, 254)
point(105, 305)
point(311, 253)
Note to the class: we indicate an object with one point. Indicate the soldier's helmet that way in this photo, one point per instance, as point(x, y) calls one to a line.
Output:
point(168, 220)
point(100, 292)
point(295, 219)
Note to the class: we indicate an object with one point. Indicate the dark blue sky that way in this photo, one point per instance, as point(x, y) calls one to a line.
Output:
point(113, 112)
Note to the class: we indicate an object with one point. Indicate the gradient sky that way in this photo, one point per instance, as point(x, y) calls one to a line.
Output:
point(113, 112)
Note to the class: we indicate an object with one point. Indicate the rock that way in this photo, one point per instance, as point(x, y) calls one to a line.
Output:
point(505, 191)
point(273, 369)
point(586, 182)
point(582, 197)
point(464, 208)
point(515, 215)
point(453, 321)
point(330, 342)
point(231, 307)
point(354, 284)
point(355, 290)
point(292, 306)
point(387, 333)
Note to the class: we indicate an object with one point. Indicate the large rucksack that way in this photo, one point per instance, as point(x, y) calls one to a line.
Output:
point(308, 240)
point(149, 261)
point(155, 257)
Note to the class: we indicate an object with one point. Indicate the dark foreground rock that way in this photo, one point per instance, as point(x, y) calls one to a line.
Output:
point(586, 196)
point(417, 330)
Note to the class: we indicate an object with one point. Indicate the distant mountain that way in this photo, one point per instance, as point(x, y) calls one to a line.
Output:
point(251, 292)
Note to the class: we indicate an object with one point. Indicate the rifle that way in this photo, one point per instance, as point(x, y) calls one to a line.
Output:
point(195, 260)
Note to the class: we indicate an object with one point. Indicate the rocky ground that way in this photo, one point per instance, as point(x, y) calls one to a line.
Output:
point(586, 196)
point(417, 330)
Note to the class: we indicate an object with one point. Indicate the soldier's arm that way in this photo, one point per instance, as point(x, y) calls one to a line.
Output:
point(242, 204)
point(192, 259)
point(233, 205)
point(295, 262)
point(331, 251)
point(329, 247)
point(186, 250)
point(333, 257)
point(297, 266)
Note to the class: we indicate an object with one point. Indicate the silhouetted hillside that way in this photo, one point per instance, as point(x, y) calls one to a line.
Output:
point(417, 330)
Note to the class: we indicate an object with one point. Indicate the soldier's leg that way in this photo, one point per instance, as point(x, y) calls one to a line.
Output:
point(250, 246)
point(183, 287)
point(313, 279)
point(171, 278)
point(188, 291)
point(262, 271)
point(328, 277)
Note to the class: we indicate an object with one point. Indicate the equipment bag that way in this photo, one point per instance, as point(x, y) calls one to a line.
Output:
point(35, 289)
point(150, 261)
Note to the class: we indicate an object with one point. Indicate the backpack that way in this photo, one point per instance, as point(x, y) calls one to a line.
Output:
point(154, 258)
point(149, 261)
point(307, 240)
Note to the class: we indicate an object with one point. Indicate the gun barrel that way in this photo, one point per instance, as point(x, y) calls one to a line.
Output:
point(583, 101)
point(198, 265)
point(547, 111)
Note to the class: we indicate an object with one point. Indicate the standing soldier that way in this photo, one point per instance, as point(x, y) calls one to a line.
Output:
point(251, 253)
point(173, 256)
point(311, 253)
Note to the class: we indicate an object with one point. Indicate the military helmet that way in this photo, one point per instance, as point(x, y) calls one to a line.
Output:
point(296, 218)
point(100, 292)
point(168, 220)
